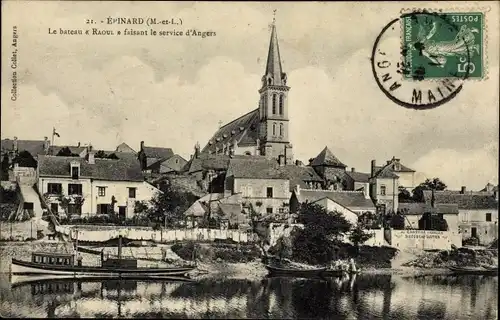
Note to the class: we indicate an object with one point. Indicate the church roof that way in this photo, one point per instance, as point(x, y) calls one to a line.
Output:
point(326, 158)
point(273, 65)
point(243, 129)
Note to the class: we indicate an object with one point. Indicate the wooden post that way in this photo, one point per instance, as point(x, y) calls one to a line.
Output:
point(119, 247)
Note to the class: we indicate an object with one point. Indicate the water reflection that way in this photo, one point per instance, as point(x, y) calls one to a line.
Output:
point(361, 297)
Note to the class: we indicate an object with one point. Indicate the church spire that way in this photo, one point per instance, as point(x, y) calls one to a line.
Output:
point(274, 73)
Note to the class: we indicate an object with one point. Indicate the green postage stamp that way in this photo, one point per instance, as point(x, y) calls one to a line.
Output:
point(443, 45)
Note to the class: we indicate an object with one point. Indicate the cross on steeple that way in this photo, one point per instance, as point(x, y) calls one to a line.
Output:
point(220, 124)
point(274, 16)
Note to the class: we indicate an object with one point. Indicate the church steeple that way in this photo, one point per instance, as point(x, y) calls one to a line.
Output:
point(273, 105)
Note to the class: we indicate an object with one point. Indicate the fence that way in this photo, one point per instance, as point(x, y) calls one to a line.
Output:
point(197, 234)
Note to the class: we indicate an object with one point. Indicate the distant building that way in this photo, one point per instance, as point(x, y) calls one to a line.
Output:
point(105, 185)
point(13, 147)
point(413, 212)
point(160, 160)
point(357, 181)
point(478, 212)
point(385, 182)
point(123, 147)
point(350, 203)
point(330, 168)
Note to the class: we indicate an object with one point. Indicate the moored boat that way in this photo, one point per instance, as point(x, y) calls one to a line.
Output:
point(297, 272)
point(485, 271)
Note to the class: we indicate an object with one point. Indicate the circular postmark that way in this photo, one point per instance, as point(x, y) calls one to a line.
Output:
point(421, 59)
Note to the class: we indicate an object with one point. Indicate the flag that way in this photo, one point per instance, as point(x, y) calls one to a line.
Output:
point(54, 133)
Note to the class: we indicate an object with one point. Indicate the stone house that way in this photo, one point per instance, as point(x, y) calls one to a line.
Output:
point(330, 168)
point(159, 160)
point(478, 212)
point(357, 181)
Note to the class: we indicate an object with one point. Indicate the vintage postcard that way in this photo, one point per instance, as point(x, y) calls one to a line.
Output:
point(249, 159)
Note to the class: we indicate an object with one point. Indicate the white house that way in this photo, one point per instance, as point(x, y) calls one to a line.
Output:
point(87, 186)
point(350, 203)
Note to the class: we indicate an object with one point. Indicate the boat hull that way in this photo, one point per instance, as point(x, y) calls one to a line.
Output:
point(338, 273)
point(474, 271)
point(26, 268)
point(277, 271)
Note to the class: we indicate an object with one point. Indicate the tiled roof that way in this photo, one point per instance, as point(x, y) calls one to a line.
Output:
point(158, 152)
point(358, 176)
point(125, 169)
point(418, 208)
point(260, 168)
point(232, 212)
point(467, 200)
point(348, 199)
point(34, 147)
point(197, 209)
point(388, 170)
point(123, 147)
point(326, 158)
point(243, 129)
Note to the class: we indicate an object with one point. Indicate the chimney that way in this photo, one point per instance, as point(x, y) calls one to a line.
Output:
point(90, 155)
point(196, 150)
point(15, 144)
point(462, 191)
point(78, 144)
point(388, 161)
point(281, 160)
point(297, 189)
point(374, 164)
point(46, 144)
point(353, 169)
point(366, 188)
point(299, 163)
point(142, 145)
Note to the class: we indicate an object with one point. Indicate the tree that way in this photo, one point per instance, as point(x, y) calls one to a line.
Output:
point(25, 159)
point(429, 184)
point(359, 236)
point(5, 167)
point(66, 152)
point(370, 220)
point(100, 154)
point(405, 195)
point(397, 221)
point(319, 218)
point(312, 247)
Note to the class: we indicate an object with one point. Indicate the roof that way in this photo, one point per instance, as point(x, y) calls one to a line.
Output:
point(326, 158)
point(388, 170)
point(358, 176)
point(34, 147)
point(232, 212)
point(348, 199)
point(273, 65)
point(418, 208)
point(123, 147)
point(468, 200)
point(243, 130)
point(157, 152)
point(197, 209)
point(54, 150)
point(125, 169)
point(260, 168)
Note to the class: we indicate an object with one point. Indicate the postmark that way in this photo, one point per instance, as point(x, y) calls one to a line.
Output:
point(415, 68)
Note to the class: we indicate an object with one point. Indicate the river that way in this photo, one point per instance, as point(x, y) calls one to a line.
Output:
point(361, 297)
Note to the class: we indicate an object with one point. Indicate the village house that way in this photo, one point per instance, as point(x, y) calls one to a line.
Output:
point(413, 212)
point(125, 148)
point(160, 160)
point(88, 186)
point(386, 181)
point(478, 212)
point(357, 181)
point(350, 203)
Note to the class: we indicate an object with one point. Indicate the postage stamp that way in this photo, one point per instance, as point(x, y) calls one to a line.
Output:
point(444, 45)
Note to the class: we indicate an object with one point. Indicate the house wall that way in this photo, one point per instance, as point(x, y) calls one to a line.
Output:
point(390, 199)
point(406, 180)
point(118, 189)
point(175, 162)
point(333, 206)
point(487, 231)
point(359, 185)
point(424, 239)
point(281, 192)
point(241, 150)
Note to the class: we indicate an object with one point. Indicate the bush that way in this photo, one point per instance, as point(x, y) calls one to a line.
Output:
point(234, 254)
point(185, 250)
point(311, 247)
point(472, 241)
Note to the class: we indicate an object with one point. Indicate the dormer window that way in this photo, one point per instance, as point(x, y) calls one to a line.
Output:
point(397, 167)
point(75, 170)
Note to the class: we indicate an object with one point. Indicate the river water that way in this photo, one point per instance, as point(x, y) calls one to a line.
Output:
point(361, 297)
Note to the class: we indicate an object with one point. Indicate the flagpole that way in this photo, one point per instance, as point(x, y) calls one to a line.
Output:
point(52, 142)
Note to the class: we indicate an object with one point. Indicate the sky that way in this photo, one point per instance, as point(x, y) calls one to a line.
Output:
point(174, 91)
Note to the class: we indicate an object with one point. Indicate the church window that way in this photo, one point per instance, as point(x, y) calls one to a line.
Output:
point(274, 129)
point(282, 98)
point(274, 103)
point(281, 129)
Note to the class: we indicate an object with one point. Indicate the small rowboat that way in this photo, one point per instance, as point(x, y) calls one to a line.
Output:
point(277, 271)
point(484, 271)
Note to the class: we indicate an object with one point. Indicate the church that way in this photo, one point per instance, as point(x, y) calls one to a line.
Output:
point(263, 131)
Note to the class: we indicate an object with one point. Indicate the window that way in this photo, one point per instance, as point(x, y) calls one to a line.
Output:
point(274, 129)
point(74, 209)
point(131, 193)
point(101, 191)
point(274, 103)
point(282, 98)
point(488, 217)
point(102, 208)
point(382, 190)
point(122, 211)
point(281, 129)
point(54, 188)
point(269, 210)
point(269, 192)
point(74, 188)
point(75, 172)
point(54, 207)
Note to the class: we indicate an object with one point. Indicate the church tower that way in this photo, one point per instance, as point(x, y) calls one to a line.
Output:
point(273, 106)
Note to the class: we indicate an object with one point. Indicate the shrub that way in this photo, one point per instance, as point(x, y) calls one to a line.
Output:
point(472, 241)
point(185, 250)
point(311, 247)
point(234, 254)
